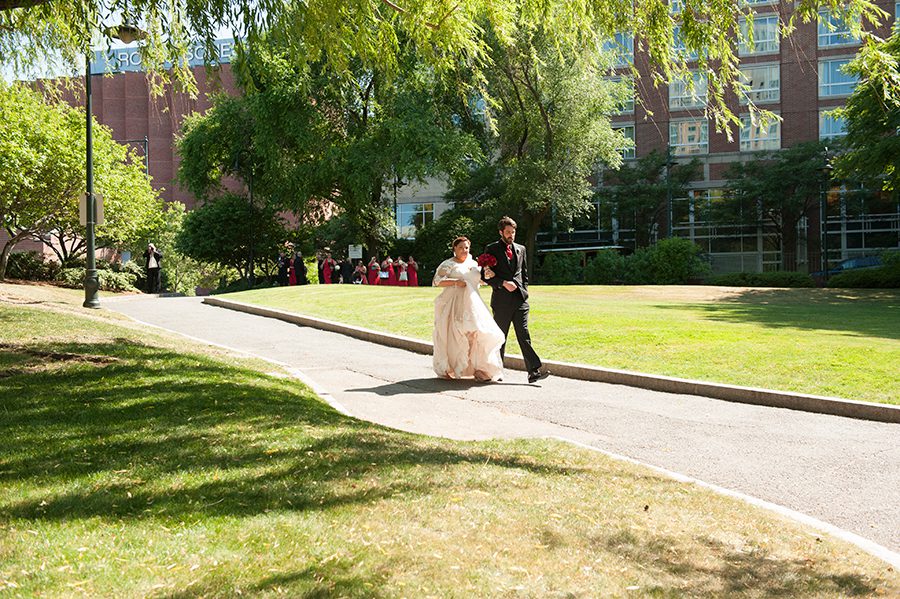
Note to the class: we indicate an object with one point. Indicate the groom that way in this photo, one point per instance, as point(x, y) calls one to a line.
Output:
point(509, 300)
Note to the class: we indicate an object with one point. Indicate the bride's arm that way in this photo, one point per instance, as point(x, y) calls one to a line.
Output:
point(441, 277)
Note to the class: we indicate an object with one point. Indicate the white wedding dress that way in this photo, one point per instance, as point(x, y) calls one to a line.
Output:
point(467, 341)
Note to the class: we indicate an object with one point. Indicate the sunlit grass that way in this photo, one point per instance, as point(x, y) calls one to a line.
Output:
point(822, 341)
point(136, 465)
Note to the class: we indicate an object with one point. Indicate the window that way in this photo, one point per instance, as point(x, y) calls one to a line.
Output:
point(756, 137)
point(676, 6)
point(831, 127)
point(411, 217)
point(765, 36)
point(623, 48)
point(688, 92)
point(764, 82)
point(689, 137)
point(628, 151)
point(832, 81)
point(834, 31)
point(626, 106)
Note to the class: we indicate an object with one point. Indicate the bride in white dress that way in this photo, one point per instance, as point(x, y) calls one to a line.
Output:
point(467, 341)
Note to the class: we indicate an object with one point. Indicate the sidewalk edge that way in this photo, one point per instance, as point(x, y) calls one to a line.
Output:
point(749, 395)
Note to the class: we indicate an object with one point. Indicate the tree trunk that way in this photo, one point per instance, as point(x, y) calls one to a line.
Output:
point(4, 258)
point(534, 223)
point(789, 242)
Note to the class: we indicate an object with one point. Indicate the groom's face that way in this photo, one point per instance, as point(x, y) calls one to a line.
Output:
point(508, 234)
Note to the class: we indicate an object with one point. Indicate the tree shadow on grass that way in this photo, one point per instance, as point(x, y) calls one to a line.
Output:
point(722, 570)
point(858, 312)
point(161, 434)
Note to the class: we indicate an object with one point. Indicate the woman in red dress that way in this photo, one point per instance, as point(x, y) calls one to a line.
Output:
point(328, 268)
point(374, 270)
point(402, 274)
point(412, 269)
point(392, 275)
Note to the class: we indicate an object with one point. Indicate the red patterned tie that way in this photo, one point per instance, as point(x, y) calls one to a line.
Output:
point(509, 253)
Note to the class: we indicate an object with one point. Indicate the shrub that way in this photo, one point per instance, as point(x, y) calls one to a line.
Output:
point(883, 277)
point(672, 261)
point(561, 269)
point(109, 279)
point(606, 268)
point(30, 266)
point(891, 258)
point(762, 279)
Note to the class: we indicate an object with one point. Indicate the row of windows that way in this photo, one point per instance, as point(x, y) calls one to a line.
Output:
point(690, 137)
point(763, 85)
point(833, 31)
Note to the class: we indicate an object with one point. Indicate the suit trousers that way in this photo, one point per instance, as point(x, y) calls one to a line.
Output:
point(152, 280)
point(517, 315)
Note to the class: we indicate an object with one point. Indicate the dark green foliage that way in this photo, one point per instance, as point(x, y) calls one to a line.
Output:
point(636, 194)
point(606, 268)
point(31, 266)
point(222, 231)
point(563, 268)
point(672, 261)
point(110, 280)
point(883, 277)
point(778, 278)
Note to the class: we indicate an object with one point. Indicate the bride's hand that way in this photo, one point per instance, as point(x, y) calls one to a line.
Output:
point(460, 283)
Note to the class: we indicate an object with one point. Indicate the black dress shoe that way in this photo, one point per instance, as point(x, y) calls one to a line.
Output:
point(537, 375)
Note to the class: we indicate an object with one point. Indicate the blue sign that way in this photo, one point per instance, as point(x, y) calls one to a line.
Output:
point(127, 58)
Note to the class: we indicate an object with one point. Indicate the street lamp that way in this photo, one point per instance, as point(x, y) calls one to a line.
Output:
point(127, 34)
point(669, 164)
point(826, 171)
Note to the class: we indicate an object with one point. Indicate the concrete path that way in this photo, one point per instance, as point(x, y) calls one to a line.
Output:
point(842, 471)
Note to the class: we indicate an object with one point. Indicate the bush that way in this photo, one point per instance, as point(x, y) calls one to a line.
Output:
point(606, 268)
point(672, 261)
point(762, 279)
point(30, 266)
point(561, 269)
point(883, 277)
point(891, 258)
point(109, 279)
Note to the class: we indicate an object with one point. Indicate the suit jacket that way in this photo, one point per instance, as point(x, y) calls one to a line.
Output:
point(515, 270)
point(157, 254)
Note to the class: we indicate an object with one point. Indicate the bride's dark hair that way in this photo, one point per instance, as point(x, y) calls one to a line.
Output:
point(460, 240)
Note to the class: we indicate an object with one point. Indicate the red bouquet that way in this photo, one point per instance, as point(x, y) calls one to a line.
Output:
point(486, 260)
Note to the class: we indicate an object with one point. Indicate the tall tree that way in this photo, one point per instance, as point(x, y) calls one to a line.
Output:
point(871, 149)
point(42, 177)
point(375, 33)
point(316, 134)
point(637, 194)
point(550, 115)
point(778, 189)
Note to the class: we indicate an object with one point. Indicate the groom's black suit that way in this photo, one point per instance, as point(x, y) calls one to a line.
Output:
point(512, 306)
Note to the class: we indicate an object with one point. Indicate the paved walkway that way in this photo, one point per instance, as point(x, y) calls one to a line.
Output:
point(842, 471)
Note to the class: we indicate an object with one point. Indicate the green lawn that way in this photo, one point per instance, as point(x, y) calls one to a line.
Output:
point(135, 464)
point(838, 343)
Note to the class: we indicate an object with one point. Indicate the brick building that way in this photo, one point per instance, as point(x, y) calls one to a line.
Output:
point(797, 78)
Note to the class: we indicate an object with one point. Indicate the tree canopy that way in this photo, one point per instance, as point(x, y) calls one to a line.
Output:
point(871, 149)
point(376, 33)
point(42, 178)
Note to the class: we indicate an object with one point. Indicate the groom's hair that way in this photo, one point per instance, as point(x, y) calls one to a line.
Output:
point(506, 222)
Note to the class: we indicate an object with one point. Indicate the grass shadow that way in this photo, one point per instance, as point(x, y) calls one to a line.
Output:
point(857, 312)
point(155, 433)
point(729, 571)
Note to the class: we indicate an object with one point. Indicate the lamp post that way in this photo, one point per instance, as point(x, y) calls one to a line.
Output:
point(826, 170)
point(669, 164)
point(127, 34)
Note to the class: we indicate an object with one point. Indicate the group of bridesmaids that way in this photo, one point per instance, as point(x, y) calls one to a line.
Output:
point(390, 272)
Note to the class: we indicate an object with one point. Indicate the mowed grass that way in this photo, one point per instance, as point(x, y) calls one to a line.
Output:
point(139, 465)
point(841, 343)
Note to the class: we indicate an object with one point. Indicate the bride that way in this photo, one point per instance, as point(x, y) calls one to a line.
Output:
point(467, 341)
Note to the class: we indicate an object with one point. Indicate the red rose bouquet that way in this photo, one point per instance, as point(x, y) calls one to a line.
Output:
point(486, 260)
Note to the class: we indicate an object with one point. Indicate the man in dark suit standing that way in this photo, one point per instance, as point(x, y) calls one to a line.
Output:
point(509, 300)
point(153, 262)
